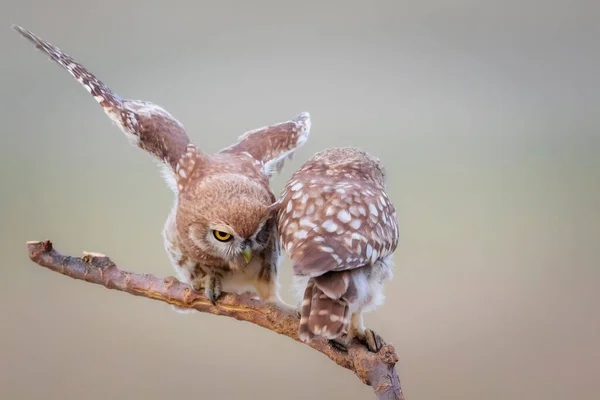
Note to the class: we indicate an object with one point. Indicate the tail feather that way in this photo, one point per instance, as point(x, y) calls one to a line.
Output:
point(322, 315)
point(304, 332)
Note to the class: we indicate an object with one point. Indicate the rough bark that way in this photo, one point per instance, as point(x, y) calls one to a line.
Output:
point(374, 369)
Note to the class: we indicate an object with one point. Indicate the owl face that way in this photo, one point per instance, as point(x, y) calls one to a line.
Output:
point(227, 218)
point(221, 240)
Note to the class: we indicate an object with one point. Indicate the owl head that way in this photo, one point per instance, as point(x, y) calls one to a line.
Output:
point(349, 162)
point(226, 215)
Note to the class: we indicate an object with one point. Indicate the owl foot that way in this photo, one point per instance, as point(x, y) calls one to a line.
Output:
point(212, 288)
point(372, 340)
point(339, 345)
point(211, 284)
point(197, 285)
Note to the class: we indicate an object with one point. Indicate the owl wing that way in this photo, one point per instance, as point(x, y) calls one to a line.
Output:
point(147, 125)
point(272, 144)
point(336, 226)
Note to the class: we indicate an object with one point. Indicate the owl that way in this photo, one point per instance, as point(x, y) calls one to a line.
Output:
point(339, 228)
point(221, 233)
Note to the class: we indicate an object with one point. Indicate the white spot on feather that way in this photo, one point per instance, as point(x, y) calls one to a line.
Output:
point(307, 222)
point(301, 234)
point(344, 216)
point(369, 251)
point(373, 210)
point(329, 226)
point(374, 256)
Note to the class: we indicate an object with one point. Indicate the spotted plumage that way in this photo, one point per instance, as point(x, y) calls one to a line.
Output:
point(221, 234)
point(339, 228)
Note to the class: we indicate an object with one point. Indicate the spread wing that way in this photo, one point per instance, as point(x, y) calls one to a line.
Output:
point(147, 125)
point(272, 144)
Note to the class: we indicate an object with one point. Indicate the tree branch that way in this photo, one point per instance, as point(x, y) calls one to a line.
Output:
point(374, 369)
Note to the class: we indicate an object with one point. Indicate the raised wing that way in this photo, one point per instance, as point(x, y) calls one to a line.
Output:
point(272, 144)
point(147, 125)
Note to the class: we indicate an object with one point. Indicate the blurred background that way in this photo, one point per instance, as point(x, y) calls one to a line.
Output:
point(486, 116)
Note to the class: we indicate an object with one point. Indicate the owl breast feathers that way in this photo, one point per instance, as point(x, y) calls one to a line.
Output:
point(339, 228)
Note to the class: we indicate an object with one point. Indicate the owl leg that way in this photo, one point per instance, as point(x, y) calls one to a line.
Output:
point(209, 281)
point(357, 330)
point(212, 286)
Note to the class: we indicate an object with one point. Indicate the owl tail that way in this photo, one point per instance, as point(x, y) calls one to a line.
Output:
point(321, 315)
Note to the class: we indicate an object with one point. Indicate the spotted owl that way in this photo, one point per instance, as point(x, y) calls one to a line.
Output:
point(221, 234)
point(339, 228)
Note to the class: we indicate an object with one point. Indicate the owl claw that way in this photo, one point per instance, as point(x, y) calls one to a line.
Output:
point(338, 345)
point(212, 290)
point(373, 341)
point(212, 294)
point(212, 297)
point(209, 285)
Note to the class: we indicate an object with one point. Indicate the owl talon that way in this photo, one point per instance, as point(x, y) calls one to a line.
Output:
point(212, 289)
point(373, 341)
point(211, 297)
point(338, 345)
point(212, 294)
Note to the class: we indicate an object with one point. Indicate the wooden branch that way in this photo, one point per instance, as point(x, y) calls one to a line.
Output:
point(374, 369)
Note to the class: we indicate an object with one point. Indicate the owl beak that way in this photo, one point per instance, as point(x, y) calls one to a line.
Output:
point(247, 253)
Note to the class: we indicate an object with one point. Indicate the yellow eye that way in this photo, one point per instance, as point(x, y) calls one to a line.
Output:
point(222, 236)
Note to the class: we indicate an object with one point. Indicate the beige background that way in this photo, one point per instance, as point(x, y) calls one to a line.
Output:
point(485, 115)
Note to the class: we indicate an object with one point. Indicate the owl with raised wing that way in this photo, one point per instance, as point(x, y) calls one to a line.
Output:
point(221, 234)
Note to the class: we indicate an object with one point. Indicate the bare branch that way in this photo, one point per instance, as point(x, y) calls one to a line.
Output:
point(374, 369)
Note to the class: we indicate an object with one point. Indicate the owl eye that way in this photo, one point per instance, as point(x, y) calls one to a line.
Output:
point(222, 236)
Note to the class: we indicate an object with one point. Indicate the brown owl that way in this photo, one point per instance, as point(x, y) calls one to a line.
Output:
point(221, 234)
point(339, 228)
